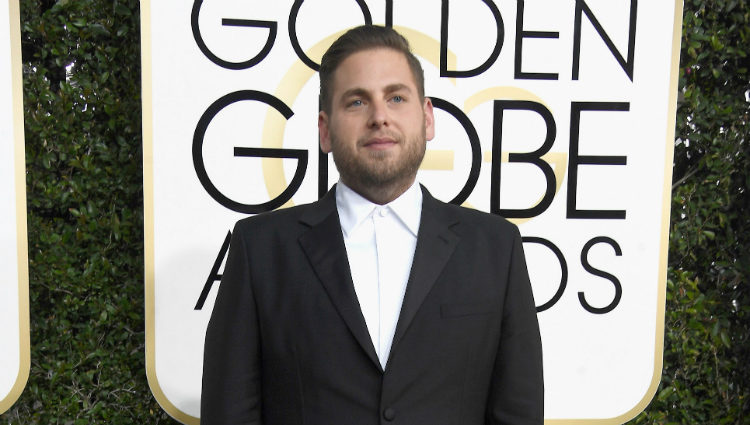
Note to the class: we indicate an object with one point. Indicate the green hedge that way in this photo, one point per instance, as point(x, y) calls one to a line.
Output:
point(84, 189)
point(85, 219)
point(707, 352)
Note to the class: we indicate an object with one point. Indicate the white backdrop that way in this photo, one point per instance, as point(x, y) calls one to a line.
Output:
point(14, 299)
point(586, 89)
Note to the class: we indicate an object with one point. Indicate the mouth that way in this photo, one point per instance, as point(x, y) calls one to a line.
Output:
point(380, 143)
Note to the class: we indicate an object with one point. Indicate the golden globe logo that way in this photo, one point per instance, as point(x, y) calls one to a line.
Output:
point(425, 47)
point(556, 115)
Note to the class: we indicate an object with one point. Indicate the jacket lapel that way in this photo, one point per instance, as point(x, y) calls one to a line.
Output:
point(324, 246)
point(435, 244)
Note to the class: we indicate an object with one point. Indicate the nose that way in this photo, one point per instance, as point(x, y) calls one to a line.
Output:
point(378, 114)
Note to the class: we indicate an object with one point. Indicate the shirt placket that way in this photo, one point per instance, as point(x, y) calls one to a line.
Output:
point(379, 216)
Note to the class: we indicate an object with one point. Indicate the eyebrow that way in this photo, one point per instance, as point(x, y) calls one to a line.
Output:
point(355, 92)
point(397, 87)
point(360, 92)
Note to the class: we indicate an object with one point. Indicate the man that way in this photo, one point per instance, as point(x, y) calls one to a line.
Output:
point(377, 304)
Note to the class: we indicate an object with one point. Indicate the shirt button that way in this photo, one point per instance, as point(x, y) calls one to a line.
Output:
point(389, 414)
point(383, 212)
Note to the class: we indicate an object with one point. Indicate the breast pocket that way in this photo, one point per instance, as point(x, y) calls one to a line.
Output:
point(448, 311)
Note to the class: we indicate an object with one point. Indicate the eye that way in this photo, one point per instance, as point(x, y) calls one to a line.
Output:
point(397, 99)
point(355, 102)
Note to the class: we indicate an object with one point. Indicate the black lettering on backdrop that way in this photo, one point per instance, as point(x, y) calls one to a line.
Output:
point(200, 168)
point(520, 35)
point(389, 13)
point(626, 64)
point(476, 147)
point(293, 31)
point(322, 165)
point(534, 157)
point(444, 71)
point(563, 269)
point(270, 25)
point(322, 172)
point(596, 272)
point(574, 159)
point(214, 275)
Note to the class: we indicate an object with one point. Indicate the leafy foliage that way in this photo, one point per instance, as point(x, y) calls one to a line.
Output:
point(81, 66)
point(705, 378)
point(84, 189)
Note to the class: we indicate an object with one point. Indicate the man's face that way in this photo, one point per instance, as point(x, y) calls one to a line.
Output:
point(378, 125)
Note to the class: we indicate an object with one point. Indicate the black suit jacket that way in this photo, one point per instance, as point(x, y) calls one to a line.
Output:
point(287, 343)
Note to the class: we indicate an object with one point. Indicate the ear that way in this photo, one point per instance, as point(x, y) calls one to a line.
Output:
point(323, 132)
point(429, 119)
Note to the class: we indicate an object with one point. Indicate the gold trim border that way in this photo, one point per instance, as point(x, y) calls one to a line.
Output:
point(148, 219)
point(661, 301)
point(21, 229)
point(148, 206)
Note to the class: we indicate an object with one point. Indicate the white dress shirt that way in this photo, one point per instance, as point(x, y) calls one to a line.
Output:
point(380, 242)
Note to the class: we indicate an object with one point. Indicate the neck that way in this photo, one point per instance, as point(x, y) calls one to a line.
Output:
point(380, 194)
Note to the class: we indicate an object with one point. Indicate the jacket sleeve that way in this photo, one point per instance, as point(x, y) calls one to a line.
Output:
point(231, 392)
point(517, 389)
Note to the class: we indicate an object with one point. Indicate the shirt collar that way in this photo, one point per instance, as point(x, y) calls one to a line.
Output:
point(353, 208)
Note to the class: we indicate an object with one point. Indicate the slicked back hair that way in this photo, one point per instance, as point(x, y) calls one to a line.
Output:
point(355, 40)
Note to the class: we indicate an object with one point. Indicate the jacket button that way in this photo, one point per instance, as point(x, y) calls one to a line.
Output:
point(389, 414)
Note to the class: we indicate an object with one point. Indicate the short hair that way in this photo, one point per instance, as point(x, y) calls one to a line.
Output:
point(364, 37)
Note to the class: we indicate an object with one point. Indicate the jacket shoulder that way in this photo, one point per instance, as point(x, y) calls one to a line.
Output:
point(480, 220)
point(282, 220)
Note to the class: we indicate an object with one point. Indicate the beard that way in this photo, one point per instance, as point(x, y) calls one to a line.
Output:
point(379, 170)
